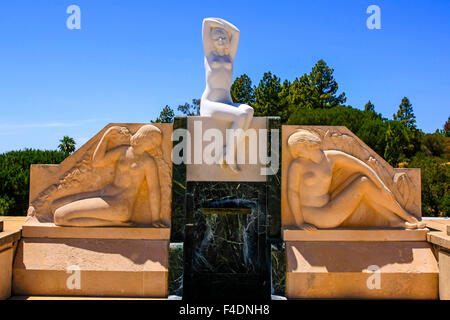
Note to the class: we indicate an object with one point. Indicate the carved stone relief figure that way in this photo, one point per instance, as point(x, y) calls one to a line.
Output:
point(130, 171)
point(220, 42)
point(316, 200)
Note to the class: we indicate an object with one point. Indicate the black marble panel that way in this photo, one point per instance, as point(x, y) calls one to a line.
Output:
point(226, 252)
point(178, 190)
point(274, 181)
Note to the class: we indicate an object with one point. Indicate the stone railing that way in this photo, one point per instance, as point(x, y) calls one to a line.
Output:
point(439, 236)
point(10, 233)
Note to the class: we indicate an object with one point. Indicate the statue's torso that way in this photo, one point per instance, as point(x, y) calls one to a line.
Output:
point(219, 73)
point(315, 183)
point(129, 174)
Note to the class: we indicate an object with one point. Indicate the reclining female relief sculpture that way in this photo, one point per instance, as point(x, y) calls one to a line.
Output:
point(314, 204)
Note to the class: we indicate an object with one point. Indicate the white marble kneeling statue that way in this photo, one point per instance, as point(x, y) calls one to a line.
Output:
point(220, 42)
point(310, 175)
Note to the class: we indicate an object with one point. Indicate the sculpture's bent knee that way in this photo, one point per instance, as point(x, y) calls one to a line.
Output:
point(241, 118)
point(364, 182)
point(247, 109)
point(59, 217)
point(320, 217)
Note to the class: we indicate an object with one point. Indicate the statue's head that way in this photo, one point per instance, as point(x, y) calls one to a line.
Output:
point(146, 139)
point(220, 38)
point(303, 142)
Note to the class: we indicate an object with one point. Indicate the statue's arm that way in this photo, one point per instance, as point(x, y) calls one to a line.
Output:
point(293, 191)
point(152, 177)
point(210, 23)
point(344, 160)
point(234, 40)
point(102, 156)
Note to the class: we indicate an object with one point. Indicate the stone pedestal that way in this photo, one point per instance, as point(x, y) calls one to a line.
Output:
point(227, 214)
point(370, 264)
point(72, 261)
point(225, 249)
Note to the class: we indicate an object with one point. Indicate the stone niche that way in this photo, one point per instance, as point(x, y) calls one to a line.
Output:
point(351, 223)
point(99, 223)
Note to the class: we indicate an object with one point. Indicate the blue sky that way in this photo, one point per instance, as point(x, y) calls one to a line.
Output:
point(130, 58)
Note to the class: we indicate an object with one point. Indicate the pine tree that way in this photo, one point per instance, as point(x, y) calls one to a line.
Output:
point(190, 109)
point(318, 89)
point(401, 142)
point(267, 96)
point(283, 102)
point(166, 115)
point(405, 114)
point(390, 152)
point(447, 128)
point(242, 90)
point(369, 107)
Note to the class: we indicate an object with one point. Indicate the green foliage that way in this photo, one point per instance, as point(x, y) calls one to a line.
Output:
point(318, 89)
point(190, 109)
point(368, 126)
point(166, 115)
point(266, 96)
point(447, 128)
point(372, 132)
point(6, 205)
point(435, 184)
point(242, 90)
point(434, 144)
point(399, 143)
point(67, 145)
point(390, 153)
point(369, 107)
point(15, 177)
point(405, 114)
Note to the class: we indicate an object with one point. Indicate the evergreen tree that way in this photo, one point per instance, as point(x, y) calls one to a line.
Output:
point(369, 127)
point(266, 96)
point(405, 114)
point(166, 115)
point(435, 177)
point(389, 152)
point(242, 90)
point(399, 143)
point(369, 107)
point(190, 109)
point(447, 128)
point(316, 90)
point(283, 102)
